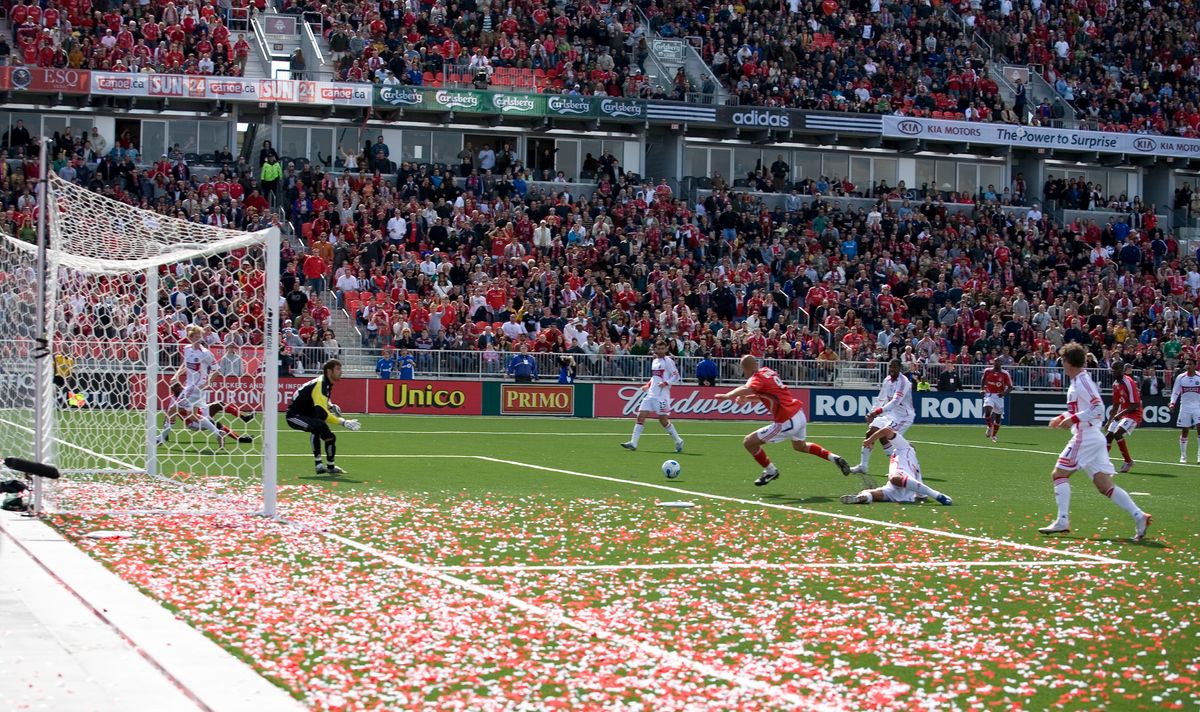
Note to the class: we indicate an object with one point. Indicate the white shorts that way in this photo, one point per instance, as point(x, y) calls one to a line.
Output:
point(191, 400)
point(904, 464)
point(1124, 425)
point(1086, 451)
point(794, 429)
point(658, 406)
point(1188, 418)
point(898, 423)
point(994, 401)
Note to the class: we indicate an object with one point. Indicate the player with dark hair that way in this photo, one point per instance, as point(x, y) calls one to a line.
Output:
point(1086, 450)
point(893, 409)
point(1126, 411)
point(312, 412)
point(191, 418)
point(997, 383)
point(764, 386)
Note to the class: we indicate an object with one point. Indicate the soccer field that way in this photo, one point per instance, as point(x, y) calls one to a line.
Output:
point(479, 563)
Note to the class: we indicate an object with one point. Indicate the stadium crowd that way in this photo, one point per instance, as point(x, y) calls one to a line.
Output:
point(1121, 66)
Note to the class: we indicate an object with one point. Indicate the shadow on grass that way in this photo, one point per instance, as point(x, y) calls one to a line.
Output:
point(330, 478)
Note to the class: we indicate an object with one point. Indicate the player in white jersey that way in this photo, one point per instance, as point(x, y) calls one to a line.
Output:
point(893, 409)
point(904, 483)
point(199, 366)
point(657, 401)
point(1186, 393)
point(1087, 449)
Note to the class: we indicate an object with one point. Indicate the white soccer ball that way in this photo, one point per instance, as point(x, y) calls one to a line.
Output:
point(671, 469)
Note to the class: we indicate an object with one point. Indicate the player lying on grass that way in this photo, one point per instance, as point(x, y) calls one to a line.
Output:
point(904, 474)
point(657, 401)
point(192, 419)
point(312, 412)
point(789, 423)
point(1086, 450)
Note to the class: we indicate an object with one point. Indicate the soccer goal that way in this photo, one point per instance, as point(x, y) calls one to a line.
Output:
point(91, 334)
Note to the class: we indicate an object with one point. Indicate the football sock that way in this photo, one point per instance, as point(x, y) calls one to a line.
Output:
point(207, 424)
point(330, 450)
point(166, 429)
point(1183, 448)
point(815, 449)
point(673, 433)
point(996, 428)
point(316, 446)
point(912, 485)
point(761, 458)
point(1124, 450)
point(1062, 495)
point(1122, 499)
point(866, 458)
point(637, 433)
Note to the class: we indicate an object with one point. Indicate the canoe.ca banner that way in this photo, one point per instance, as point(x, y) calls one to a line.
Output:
point(687, 403)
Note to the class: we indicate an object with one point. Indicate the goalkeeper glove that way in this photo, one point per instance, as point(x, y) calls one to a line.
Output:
point(334, 409)
point(351, 425)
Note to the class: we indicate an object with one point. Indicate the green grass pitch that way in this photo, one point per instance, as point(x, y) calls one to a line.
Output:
point(484, 563)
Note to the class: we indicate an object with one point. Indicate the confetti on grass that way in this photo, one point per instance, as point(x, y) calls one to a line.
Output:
point(346, 630)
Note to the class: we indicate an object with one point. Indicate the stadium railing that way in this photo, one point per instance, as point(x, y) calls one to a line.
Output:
point(592, 367)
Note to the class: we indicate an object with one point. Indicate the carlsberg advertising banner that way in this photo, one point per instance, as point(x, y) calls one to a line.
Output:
point(472, 101)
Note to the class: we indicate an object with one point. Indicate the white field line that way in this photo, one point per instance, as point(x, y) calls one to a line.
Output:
point(595, 631)
point(686, 435)
point(80, 448)
point(787, 507)
point(772, 566)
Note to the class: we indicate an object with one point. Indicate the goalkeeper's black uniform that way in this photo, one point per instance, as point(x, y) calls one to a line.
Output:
point(312, 412)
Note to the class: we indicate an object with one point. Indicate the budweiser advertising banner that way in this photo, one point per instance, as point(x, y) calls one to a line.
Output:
point(687, 402)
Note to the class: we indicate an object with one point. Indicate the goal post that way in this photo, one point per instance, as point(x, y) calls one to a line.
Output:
point(93, 340)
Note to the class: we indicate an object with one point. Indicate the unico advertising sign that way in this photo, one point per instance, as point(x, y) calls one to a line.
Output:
point(424, 397)
point(522, 399)
point(687, 402)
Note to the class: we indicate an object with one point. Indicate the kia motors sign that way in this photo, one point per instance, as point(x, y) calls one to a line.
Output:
point(522, 399)
point(687, 402)
point(994, 134)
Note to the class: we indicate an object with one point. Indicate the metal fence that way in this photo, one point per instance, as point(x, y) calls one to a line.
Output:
point(633, 369)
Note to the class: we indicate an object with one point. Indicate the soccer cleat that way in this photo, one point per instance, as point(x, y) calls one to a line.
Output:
point(841, 463)
point(858, 470)
point(769, 474)
point(247, 417)
point(630, 446)
point(1058, 527)
point(321, 469)
point(993, 438)
point(944, 500)
point(859, 498)
point(1127, 466)
point(678, 446)
point(245, 439)
point(334, 470)
point(1183, 461)
point(1143, 523)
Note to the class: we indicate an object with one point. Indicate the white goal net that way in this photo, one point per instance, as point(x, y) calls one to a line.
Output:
point(91, 344)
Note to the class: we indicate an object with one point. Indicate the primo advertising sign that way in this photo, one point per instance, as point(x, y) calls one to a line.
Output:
point(521, 399)
point(687, 403)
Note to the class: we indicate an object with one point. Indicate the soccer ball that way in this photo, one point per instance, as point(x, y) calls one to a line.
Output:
point(671, 469)
point(77, 400)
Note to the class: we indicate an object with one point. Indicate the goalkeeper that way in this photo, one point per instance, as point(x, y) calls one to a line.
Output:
point(312, 412)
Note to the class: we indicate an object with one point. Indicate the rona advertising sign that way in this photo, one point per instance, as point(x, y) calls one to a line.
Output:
point(959, 408)
point(687, 403)
point(522, 399)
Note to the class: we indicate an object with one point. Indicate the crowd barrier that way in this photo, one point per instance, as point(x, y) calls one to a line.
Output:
point(591, 400)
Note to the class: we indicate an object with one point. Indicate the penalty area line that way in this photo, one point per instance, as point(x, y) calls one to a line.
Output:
point(791, 508)
point(769, 565)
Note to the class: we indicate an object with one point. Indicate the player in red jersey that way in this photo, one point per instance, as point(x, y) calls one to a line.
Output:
point(997, 383)
point(789, 423)
point(1126, 411)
